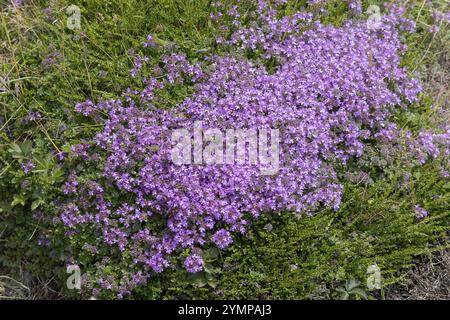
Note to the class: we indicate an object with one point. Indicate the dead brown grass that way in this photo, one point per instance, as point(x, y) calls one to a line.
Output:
point(429, 280)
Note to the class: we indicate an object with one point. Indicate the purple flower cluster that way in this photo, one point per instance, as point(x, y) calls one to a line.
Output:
point(420, 212)
point(27, 166)
point(71, 185)
point(429, 145)
point(32, 116)
point(222, 238)
point(355, 6)
point(52, 57)
point(150, 42)
point(440, 19)
point(16, 3)
point(194, 263)
point(331, 92)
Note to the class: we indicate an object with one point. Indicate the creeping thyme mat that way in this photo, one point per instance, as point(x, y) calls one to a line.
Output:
point(129, 215)
point(333, 89)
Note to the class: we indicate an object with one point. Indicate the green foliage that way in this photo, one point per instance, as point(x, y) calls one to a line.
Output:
point(351, 288)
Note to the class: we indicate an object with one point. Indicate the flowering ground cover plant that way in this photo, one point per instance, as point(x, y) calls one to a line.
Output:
point(110, 200)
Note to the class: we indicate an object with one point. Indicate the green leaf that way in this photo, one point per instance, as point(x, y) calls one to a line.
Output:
point(345, 296)
point(22, 151)
point(360, 292)
point(213, 283)
point(200, 282)
point(352, 284)
point(36, 204)
point(18, 199)
point(197, 279)
point(211, 254)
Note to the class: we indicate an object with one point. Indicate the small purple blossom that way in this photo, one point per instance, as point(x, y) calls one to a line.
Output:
point(444, 173)
point(158, 263)
point(268, 227)
point(434, 29)
point(90, 248)
point(86, 108)
point(80, 150)
point(138, 62)
point(16, 3)
point(43, 241)
point(71, 185)
point(61, 155)
point(222, 238)
point(355, 6)
point(150, 42)
point(194, 263)
point(32, 116)
point(420, 212)
point(53, 57)
point(27, 166)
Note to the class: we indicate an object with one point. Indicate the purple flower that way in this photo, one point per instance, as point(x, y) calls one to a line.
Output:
point(194, 263)
point(61, 155)
point(52, 57)
point(434, 29)
point(32, 116)
point(90, 248)
point(16, 3)
point(80, 150)
point(150, 42)
point(28, 166)
point(158, 263)
point(86, 108)
point(222, 238)
point(420, 212)
point(43, 241)
point(71, 185)
point(355, 6)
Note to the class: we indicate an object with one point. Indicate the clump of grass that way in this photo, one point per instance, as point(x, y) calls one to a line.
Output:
point(12, 289)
